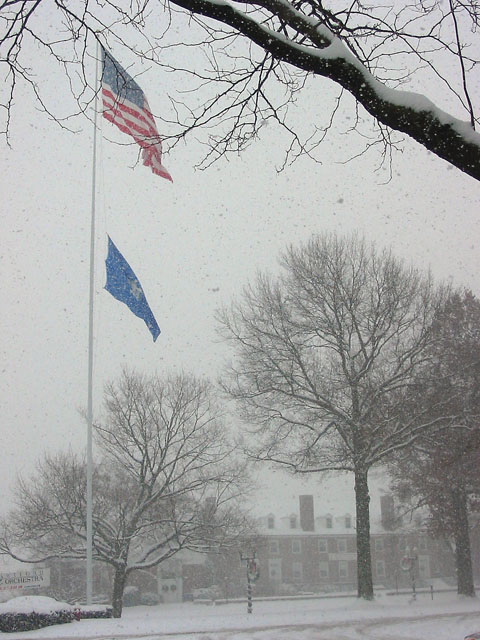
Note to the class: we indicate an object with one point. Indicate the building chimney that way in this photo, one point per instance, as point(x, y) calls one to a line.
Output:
point(307, 518)
point(210, 508)
point(387, 511)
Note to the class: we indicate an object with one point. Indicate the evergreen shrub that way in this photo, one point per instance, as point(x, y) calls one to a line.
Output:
point(10, 622)
point(95, 611)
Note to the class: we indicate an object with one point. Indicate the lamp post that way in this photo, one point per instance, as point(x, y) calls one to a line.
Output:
point(253, 573)
point(408, 563)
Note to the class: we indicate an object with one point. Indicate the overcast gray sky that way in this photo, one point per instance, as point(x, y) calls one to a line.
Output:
point(193, 244)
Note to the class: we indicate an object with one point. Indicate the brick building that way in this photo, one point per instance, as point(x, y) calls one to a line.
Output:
point(305, 551)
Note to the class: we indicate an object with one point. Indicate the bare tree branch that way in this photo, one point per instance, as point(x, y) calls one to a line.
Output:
point(250, 62)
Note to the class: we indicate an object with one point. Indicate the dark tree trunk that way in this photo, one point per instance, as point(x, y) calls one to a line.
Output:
point(463, 558)
point(364, 558)
point(119, 580)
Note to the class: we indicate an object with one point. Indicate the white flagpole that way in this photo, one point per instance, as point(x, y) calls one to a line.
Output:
point(89, 534)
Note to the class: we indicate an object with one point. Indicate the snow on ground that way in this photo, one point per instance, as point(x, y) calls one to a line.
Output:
point(447, 617)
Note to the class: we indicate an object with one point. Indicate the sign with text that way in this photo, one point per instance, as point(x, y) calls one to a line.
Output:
point(16, 580)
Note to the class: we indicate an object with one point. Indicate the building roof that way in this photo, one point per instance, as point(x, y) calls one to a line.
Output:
point(334, 496)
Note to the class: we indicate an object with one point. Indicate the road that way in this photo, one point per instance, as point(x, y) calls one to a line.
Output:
point(442, 626)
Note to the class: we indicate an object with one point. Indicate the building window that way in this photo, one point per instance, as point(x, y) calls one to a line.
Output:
point(296, 546)
point(422, 544)
point(348, 522)
point(424, 567)
point(342, 569)
point(297, 572)
point(271, 522)
point(329, 522)
point(293, 522)
point(402, 544)
point(275, 569)
point(323, 569)
point(378, 544)
point(380, 568)
point(342, 545)
point(322, 545)
point(273, 546)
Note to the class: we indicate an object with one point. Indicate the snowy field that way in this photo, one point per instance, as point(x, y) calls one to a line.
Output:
point(446, 617)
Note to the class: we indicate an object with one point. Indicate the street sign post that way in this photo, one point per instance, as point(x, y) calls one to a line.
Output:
point(253, 573)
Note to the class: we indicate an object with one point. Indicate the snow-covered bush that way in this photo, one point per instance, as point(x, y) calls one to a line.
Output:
point(33, 612)
point(95, 611)
point(150, 598)
point(131, 596)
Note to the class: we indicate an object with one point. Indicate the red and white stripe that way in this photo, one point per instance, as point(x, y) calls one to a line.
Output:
point(138, 123)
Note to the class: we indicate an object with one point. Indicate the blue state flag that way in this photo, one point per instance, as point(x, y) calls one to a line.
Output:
point(123, 284)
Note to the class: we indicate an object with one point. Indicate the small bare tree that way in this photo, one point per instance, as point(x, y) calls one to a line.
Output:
point(169, 480)
point(246, 64)
point(322, 356)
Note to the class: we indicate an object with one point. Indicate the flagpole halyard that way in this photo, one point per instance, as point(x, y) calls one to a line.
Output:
point(89, 497)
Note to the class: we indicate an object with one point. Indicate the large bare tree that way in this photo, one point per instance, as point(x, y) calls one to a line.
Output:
point(322, 356)
point(169, 479)
point(245, 63)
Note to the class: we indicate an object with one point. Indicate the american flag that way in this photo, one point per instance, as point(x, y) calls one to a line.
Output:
point(125, 104)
